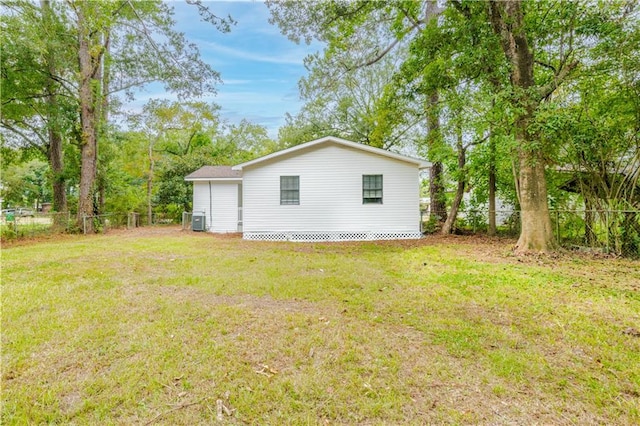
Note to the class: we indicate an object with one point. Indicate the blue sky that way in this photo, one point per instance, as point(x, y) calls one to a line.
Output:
point(260, 67)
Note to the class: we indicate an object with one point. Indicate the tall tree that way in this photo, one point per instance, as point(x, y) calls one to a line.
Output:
point(135, 41)
point(91, 49)
point(507, 21)
point(230, 144)
point(542, 46)
point(54, 126)
point(82, 53)
point(38, 102)
point(173, 128)
point(352, 107)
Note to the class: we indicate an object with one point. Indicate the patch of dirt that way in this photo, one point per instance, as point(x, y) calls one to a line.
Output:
point(26, 241)
point(274, 344)
point(71, 403)
point(151, 231)
point(482, 247)
point(250, 302)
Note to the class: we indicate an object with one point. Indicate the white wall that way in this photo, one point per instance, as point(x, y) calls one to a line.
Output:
point(222, 212)
point(331, 193)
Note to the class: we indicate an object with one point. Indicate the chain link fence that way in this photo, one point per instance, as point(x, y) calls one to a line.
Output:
point(37, 224)
point(15, 227)
point(614, 232)
point(187, 218)
point(609, 231)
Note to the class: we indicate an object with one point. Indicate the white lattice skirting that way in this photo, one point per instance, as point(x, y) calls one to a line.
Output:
point(312, 237)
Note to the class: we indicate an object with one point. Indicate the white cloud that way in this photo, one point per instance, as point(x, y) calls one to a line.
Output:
point(260, 68)
point(289, 57)
point(236, 82)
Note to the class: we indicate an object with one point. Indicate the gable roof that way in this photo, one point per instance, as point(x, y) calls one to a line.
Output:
point(214, 173)
point(422, 164)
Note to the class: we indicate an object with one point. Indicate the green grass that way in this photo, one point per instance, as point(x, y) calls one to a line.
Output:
point(155, 326)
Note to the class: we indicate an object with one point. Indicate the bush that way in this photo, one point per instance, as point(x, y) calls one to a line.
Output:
point(431, 226)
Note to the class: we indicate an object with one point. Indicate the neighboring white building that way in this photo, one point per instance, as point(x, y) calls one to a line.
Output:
point(329, 189)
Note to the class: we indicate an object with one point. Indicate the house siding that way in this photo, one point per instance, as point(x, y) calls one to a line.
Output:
point(223, 214)
point(331, 193)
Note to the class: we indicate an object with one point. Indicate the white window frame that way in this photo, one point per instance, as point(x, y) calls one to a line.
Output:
point(372, 192)
point(289, 190)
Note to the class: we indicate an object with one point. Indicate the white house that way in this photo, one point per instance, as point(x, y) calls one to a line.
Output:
point(217, 194)
point(329, 189)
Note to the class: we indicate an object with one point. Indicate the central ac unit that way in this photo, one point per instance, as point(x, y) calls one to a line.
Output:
point(198, 223)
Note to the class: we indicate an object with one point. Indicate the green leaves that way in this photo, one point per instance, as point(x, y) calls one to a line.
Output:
point(25, 184)
point(65, 60)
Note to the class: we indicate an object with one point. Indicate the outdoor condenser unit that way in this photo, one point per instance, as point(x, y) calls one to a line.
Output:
point(198, 223)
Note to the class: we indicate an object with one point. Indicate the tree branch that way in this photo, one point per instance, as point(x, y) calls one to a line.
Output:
point(377, 57)
point(347, 14)
point(28, 139)
point(176, 408)
point(387, 49)
point(408, 16)
point(544, 64)
point(66, 84)
point(193, 135)
point(477, 142)
point(147, 35)
point(545, 91)
point(464, 10)
point(10, 100)
point(131, 85)
point(222, 24)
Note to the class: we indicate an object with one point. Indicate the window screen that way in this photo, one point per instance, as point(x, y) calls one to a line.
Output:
point(371, 189)
point(289, 189)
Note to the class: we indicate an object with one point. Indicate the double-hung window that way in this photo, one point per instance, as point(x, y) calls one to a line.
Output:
point(289, 190)
point(371, 189)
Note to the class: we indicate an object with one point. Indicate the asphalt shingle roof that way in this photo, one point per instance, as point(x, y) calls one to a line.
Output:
point(215, 172)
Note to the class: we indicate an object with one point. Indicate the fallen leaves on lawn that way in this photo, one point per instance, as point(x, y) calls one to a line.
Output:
point(265, 370)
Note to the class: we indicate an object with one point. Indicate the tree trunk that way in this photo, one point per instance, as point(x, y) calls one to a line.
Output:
point(491, 231)
point(536, 234)
point(149, 195)
point(589, 235)
point(54, 150)
point(438, 204)
point(57, 169)
point(150, 185)
point(88, 119)
point(437, 208)
point(462, 181)
point(103, 74)
point(437, 198)
point(57, 164)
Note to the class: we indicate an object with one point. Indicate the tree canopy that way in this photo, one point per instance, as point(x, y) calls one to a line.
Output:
point(506, 74)
point(66, 66)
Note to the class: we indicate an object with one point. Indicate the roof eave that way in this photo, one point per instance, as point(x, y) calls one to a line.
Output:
point(419, 162)
point(200, 179)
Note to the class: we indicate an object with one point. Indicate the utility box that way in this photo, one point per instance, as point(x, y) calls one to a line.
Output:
point(198, 222)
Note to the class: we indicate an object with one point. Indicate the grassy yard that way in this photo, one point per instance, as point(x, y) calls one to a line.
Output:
point(161, 326)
